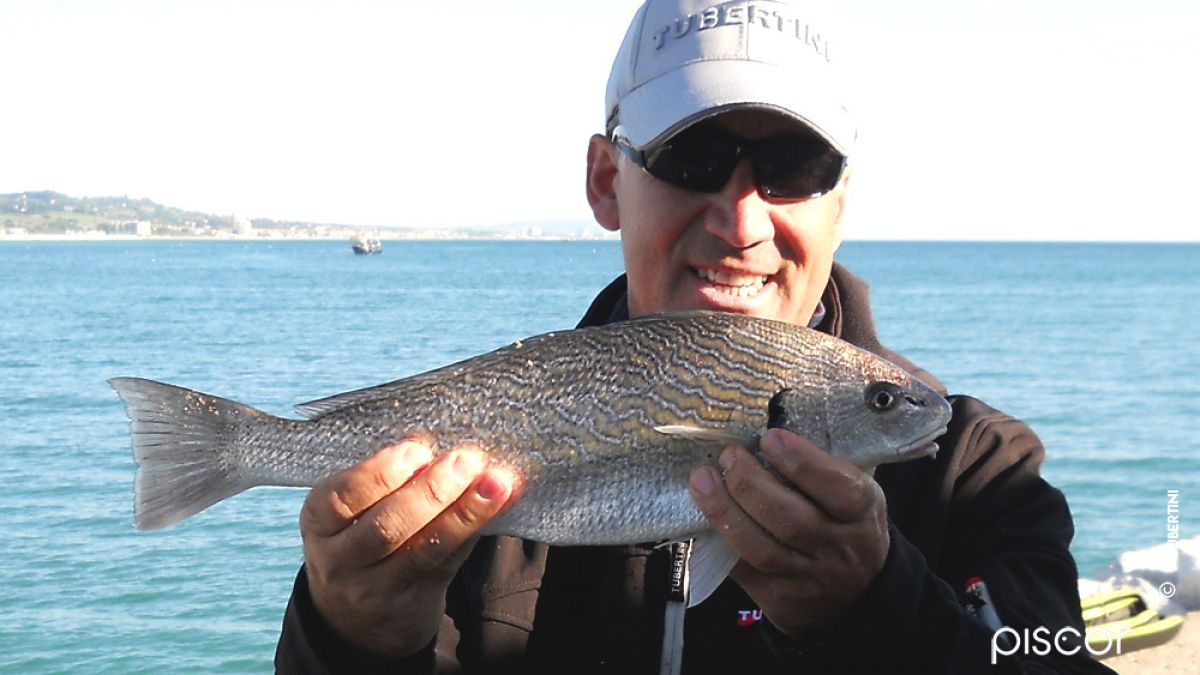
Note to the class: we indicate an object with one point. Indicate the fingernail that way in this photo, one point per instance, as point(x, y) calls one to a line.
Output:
point(726, 459)
point(416, 454)
point(703, 481)
point(491, 486)
point(770, 443)
point(466, 464)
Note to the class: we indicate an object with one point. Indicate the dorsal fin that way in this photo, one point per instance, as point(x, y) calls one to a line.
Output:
point(397, 388)
point(394, 389)
point(322, 406)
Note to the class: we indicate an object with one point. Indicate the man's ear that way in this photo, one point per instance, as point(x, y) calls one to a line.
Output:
point(602, 159)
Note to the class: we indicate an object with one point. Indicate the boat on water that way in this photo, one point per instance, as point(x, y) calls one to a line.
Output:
point(366, 245)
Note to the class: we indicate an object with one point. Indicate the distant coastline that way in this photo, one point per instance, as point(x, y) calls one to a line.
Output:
point(54, 216)
point(384, 236)
point(495, 235)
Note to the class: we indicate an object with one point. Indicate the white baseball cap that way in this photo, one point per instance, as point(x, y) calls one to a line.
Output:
point(685, 60)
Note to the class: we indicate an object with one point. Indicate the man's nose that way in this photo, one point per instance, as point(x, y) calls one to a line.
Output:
point(738, 215)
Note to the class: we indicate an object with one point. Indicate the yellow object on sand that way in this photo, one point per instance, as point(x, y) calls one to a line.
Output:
point(1119, 622)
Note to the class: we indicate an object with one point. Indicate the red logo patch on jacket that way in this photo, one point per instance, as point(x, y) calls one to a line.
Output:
point(749, 617)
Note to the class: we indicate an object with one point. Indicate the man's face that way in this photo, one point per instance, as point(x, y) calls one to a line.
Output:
point(731, 250)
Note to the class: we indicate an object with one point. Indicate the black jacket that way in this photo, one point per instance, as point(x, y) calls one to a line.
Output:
point(980, 509)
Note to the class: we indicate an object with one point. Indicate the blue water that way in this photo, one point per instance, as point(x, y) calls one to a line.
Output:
point(1095, 345)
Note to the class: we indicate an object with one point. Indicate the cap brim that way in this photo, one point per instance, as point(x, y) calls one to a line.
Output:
point(668, 103)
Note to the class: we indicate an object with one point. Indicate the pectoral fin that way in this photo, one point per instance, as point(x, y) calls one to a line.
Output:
point(708, 565)
point(700, 435)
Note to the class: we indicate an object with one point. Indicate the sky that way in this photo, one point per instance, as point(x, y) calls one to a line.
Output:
point(978, 119)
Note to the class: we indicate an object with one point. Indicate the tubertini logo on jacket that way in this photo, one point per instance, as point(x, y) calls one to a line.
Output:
point(749, 617)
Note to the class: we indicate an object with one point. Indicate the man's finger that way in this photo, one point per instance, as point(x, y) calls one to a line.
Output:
point(391, 521)
point(837, 487)
point(442, 542)
point(746, 537)
point(335, 503)
point(784, 512)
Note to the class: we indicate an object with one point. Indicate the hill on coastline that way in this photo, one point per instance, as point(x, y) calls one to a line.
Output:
point(48, 212)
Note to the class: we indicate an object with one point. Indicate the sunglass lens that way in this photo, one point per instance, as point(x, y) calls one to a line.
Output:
point(695, 160)
point(703, 158)
point(797, 168)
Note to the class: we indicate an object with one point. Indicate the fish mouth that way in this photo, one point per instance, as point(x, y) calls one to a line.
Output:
point(922, 447)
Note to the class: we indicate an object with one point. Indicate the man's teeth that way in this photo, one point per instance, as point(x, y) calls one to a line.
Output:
point(741, 285)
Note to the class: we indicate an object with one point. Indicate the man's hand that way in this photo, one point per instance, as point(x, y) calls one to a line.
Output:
point(811, 534)
point(383, 539)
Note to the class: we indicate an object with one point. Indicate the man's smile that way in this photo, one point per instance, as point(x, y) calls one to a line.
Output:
point(740, 285)
point(722, 288)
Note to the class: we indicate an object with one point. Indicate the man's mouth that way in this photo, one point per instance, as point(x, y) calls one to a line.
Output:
point(737, 285)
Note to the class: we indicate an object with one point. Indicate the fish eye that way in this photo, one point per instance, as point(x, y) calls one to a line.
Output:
point(883, 396)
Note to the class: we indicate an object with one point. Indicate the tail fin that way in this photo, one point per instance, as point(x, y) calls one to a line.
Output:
point(181, 441)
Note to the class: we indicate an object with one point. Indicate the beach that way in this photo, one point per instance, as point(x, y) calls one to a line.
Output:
point(1180, 655)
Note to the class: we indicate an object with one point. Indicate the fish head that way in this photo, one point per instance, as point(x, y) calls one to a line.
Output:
point(876, 413)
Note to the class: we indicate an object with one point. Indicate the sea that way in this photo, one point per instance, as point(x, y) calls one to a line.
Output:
point(1095, 345)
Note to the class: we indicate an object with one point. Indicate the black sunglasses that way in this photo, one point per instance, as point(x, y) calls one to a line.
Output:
point(703, 157)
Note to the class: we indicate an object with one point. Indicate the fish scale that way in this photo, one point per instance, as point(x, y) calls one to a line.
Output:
point(602, 425)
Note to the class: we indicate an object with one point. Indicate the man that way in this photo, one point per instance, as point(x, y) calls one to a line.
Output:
point(724, 168)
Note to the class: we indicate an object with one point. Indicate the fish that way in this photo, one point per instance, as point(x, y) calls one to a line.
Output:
point(602, 426)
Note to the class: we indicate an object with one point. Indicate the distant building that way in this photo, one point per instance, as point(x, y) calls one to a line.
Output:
point(242, 227)
point(143, 228)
